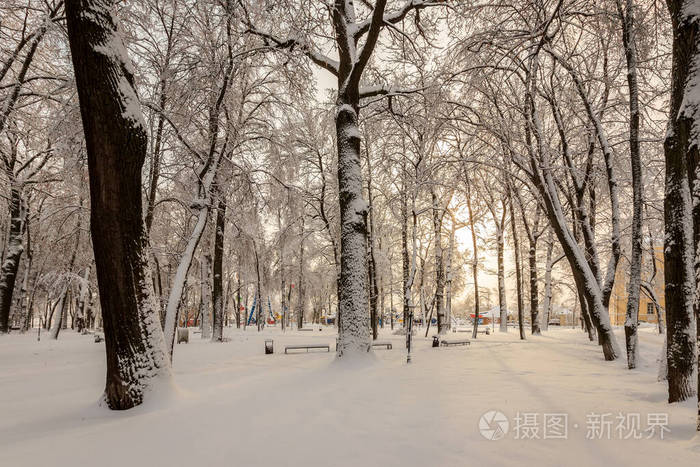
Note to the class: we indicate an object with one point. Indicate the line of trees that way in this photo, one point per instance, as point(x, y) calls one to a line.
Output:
point(220, 179)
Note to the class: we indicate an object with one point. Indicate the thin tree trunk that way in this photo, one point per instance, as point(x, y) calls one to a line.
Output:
point(502, 300)
point(300, 285)
point(475, 261)
point(635, 273)
point(61, 320)
point(217, 290)
point(371, 257)
point(518, 269)
point(443, 324)
point(547, 304)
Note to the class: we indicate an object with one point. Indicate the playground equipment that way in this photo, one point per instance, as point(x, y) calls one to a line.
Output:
point(252, 309)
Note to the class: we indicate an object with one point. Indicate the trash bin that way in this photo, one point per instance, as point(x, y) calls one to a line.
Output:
point(268, 347)
point(436, 341)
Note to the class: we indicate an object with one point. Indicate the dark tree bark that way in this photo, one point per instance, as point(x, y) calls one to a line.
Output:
point(373, 289)
point(533, 236)
point(518, 269)
point(8, 272)
point(218, 288)
point(116, 143)
point(405, 264)
point(681, 218)
point(438, 215)
point(300, 286)
point(475, 261)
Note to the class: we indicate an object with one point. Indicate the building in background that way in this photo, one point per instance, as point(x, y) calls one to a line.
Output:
point(647, 310)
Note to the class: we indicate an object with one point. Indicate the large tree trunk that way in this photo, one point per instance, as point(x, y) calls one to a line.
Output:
point(352, 303)
point(680, 217)
point(115, 136)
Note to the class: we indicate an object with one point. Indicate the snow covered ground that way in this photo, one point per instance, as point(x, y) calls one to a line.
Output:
point(236, 406)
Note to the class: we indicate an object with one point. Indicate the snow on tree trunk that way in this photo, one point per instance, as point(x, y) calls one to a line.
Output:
point(60, 314)
point(442, 321)
point(301, 288)
point(406, 295)
point(353, 301)
point(518, 270)
point(662, 361)
point(502, 300)
point(475, 259)
point(25, 300)
point(371, 254)
point(179, 281)
point(547, 304)
point(681, 206)
point(116, 141)
point(534, 290)
point(218, 289)
point(83, 298)
point(206, 293)
point(14, 250)
point(635, 273)
point(586, 281)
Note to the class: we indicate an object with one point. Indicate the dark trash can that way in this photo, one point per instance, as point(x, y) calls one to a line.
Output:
point(436, 341)
point(268, 347)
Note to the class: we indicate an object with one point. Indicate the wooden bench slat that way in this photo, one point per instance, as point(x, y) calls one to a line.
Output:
point(461, 342)
point(307, 347)
point(382, 344)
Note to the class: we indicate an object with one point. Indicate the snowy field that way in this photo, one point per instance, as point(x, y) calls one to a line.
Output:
point(236, 406)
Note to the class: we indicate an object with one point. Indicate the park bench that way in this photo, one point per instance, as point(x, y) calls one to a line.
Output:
point(447, 343)
point(307, 347)
point(382, 344)
point(305, 329)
